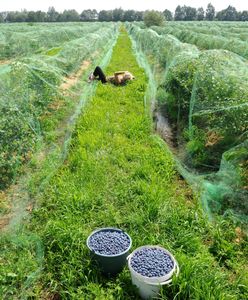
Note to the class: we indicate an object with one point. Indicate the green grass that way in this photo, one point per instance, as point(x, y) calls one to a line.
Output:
point(119, 174)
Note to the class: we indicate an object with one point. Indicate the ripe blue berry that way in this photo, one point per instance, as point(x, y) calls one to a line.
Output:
point(109, 242)
point(152, 262)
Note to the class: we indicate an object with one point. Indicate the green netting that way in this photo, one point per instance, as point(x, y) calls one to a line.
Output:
point(22, 39)
point(20, 264)
point(226, 190)
point(205, 39)
point(205, 95)
point(29, 84)
point(218, 114)
point(27, 87)
point(227, 29)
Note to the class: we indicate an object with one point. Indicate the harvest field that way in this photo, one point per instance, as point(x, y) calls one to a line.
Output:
point(219, 35)
point(29, 84)
point(205, 94)
point(76, 156)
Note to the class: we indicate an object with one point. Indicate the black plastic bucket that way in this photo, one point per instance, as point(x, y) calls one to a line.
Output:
point(110, 264)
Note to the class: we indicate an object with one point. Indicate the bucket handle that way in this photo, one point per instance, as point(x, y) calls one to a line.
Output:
point(167, 281)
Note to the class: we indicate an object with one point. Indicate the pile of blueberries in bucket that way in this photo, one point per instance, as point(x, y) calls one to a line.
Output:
point(148, 261)
point(110, 247)
point(109, 242)
point(152, 262)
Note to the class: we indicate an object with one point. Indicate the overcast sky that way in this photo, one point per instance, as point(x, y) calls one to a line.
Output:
point(7, 5)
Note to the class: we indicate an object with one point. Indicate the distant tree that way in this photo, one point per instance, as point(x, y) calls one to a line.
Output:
point(10, 16)
point(61, 17)
point(220, 16)
point(52, 14)
point(231, 13)
point(40, 16)
point(4, 15)
point(153, 18)
point(228, 14)
point(179, 14)
point(73, 15)
point(210, 12)
point(118, 14)
point(31, 16)
point(243, 16)
point(189, 13)
point(139, 15)
point(168, 15)
point(185, 13)
point(105, 15)
point(70, 15)
point(89, 15)
point(17, 16)
point(94, 15)
point(200, 14)
point(129, 15)
point(182, 13)
point(22, 16)
point(239, 13)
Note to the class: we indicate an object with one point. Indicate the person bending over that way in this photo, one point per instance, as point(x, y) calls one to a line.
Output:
point(120, 77)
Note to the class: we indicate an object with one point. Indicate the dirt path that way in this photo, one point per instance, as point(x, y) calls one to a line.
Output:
point(73, 78)
point(163, 127)
point(5, 62)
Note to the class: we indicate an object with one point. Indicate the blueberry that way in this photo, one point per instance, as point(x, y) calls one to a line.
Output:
point(152, 262)
point(109, 242)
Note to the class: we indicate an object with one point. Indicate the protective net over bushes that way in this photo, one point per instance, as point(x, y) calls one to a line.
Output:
point(214, 37)
point(29, 84)
point(22, 39)
point(206, 98)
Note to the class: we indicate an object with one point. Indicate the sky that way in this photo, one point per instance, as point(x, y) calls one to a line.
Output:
point(9, 5)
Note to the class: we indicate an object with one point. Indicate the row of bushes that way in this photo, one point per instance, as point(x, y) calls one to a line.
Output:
point(29, 87)
point(22, 39)
point(224, 29)
point(206, 95)
point(207, 40)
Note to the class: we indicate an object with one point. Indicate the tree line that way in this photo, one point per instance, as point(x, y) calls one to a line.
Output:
point(182, 13)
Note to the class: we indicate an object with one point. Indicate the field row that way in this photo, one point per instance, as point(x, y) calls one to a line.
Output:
point(206, 94)
point(231, 27)
point(117, 173)
point(208, 40)
point(22, 39)
point(30, 84)
point(225, 29)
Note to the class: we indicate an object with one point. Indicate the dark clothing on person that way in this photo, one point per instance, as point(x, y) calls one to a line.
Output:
point(98, 73)
point(119, 77)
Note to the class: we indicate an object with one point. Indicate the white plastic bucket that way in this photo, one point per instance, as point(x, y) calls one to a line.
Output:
point(149, 287)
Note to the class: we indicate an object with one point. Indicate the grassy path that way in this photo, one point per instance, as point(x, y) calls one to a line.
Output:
point(119, 174)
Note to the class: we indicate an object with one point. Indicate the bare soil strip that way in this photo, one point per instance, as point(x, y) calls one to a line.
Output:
point(73, 79)
point(5, 62)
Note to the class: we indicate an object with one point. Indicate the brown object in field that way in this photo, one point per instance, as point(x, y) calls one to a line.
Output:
point(120, 77)
point(4, 222)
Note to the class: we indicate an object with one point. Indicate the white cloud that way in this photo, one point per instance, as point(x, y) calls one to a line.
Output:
point(111, 4)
